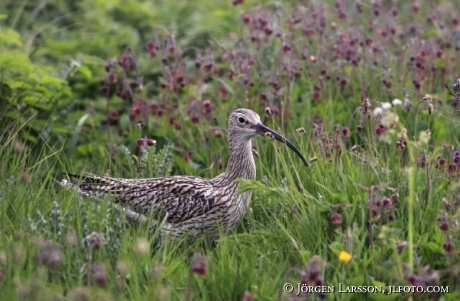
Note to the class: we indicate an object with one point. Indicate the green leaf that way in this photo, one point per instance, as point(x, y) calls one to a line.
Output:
point(29, 137)
point(9, 37)
point(52, 81)
point(435, 247)
point(452, 296)
point(85, 71)
point(31, 99)
point(62, 130)
point(15, 61)
point(440, 63)
point(12, 115)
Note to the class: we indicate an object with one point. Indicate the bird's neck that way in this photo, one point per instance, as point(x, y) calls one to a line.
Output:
point(241, 163)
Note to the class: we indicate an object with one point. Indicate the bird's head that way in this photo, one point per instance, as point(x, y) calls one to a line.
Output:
point(245, 124)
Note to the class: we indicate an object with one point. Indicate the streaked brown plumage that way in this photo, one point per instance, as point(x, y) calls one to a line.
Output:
point(190, 205)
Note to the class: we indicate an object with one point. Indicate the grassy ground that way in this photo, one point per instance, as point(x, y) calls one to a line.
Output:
point(360, 87)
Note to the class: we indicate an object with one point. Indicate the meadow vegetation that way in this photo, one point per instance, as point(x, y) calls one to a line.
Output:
point(368, 91)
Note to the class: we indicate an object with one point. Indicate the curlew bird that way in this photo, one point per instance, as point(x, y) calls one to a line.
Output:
point(190, 205)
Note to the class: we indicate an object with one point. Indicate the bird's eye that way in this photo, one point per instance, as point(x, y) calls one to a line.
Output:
point(241, 120)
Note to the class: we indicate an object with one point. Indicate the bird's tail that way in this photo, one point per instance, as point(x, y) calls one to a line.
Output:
point(91, 185)
point(100, 186)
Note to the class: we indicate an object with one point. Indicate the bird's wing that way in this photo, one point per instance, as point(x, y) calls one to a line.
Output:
point(176, 198)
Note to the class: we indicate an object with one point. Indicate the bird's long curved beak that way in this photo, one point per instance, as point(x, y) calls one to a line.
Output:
point(269, 133)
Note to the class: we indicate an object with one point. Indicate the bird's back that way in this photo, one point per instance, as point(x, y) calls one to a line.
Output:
point(188, 205)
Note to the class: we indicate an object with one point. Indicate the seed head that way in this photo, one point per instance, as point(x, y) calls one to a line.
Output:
point(317, 96)
point(188, 158)
point(142, 246)
point(263, 97)
point(400, 247)
point(70, 240)
point(269, 135)
point(173, 49)
point(247, 296)
point(176, 73)
point(449, 246)
point(154, 107)
point(123, 268)
point(124, 59)
point(247, 19)
point(112, 78)
point(199, 265)
point(447, 204)
point(141, 142)
point(50, 255)
point(208, 67)
point(380, 131)
point(430, 109)
point(18, 146)
point(387, 203)
point(301, 131)
point(444, 226)
point(370, 42)
point(151, 142)
point(268, 111)
point(286, 48)
point(206, 104)
point(136, 110)
point(25, 177)
point(94, 241)
point(80, 294)
point(99, 274)
point(150, 45)
point(223, 92)
point(114, 115)
point(336, 219)
point(109, 64)
point(105, 90)
point(160, 112)
point(198, 63)
point(442, 162)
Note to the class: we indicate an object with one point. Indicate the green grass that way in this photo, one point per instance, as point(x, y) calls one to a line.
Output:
point(386, 206)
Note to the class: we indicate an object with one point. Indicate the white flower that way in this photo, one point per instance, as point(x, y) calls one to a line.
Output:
point(397, 102)
point(377, 111)
point(386, 105)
